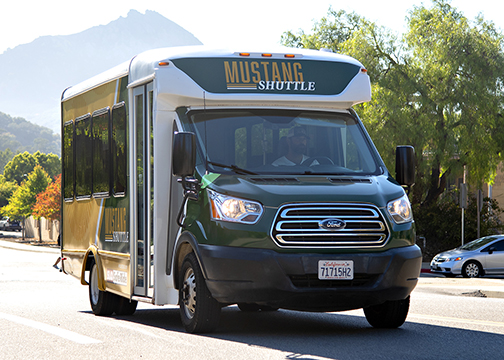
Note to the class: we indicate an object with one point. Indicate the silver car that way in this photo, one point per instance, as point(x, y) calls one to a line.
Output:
point(484, 256)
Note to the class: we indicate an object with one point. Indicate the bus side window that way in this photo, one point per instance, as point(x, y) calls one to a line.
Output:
point(83, 157)
point(101, 153)
point(119, 150)
point(68, 161)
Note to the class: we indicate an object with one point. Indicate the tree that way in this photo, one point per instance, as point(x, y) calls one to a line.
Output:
point(21, 202)
point(5, 157)
point(7, 188)
point(50, 162)
point(439, 89)
point(24, 163)
point(19, 167)
point(48, 202)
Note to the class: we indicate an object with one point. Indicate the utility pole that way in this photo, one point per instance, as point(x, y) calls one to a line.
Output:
point(463, 205)
point(463, 200)
point(480, 207)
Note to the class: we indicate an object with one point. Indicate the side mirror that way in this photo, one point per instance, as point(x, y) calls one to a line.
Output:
point(405, 165)
point(184, 154)
point(491, 250)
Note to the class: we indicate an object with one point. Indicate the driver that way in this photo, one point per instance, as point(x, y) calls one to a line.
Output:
point(297, 146)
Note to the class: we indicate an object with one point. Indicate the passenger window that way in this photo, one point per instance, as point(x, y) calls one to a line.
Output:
point(499, 246)
point(119, 150)
point(68, 161)
point(83, 157)
point(101, 153)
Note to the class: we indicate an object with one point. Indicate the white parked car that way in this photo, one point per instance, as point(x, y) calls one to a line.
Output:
point(484, 256)
point(7, 224)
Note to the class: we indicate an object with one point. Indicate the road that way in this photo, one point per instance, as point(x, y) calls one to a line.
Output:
point(45, 314)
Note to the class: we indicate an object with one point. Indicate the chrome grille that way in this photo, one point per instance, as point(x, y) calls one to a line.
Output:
point(297, 225)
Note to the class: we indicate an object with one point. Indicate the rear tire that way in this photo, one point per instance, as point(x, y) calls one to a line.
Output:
point(102, 302)
point(125, 307)
point(389, 315)
point(199, 311)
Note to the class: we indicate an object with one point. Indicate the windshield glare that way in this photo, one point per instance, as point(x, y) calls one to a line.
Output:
point(280, 142)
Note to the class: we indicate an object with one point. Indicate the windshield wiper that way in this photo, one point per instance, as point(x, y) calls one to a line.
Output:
point(234, 168)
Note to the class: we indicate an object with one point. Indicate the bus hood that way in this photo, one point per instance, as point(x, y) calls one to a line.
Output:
point(273, 191)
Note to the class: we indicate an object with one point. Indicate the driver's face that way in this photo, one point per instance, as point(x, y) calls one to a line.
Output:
point(298, 144)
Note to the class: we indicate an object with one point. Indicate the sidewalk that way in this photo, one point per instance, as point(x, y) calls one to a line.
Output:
point(27, 245)
point(490, 287)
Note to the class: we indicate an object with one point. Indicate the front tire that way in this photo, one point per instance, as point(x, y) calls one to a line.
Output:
point(389, 315)
point(472, 269)
point(102, 302)
point(199, 311)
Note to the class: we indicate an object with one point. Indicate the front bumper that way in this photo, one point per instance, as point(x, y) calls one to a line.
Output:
point(290, 281)
point(446, 267)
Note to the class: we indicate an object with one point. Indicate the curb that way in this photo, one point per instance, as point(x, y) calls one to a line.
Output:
point(425, 267)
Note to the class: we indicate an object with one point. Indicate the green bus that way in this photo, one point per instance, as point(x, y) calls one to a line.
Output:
point(209, 178)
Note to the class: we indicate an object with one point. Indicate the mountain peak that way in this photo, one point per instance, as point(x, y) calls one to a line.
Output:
point(66, 60)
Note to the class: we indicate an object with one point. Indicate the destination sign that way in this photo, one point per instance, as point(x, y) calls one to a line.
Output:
point(293, 76)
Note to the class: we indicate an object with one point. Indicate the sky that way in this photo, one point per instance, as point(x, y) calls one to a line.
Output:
point(214, 22)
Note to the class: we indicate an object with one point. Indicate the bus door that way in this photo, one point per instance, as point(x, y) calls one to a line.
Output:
point(143, 202)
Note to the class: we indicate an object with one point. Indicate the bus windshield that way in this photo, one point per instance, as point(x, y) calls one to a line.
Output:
point(289, 142)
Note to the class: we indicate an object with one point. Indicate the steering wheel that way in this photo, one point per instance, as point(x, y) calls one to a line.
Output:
point(322, 160)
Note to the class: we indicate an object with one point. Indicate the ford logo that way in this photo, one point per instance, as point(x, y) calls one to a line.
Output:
point(332, 224)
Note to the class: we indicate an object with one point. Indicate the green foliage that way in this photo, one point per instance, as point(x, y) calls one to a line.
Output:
point(5, 157)
point(25, 196)
point(19, 167)
point(7, 188)
point(441, 223)
point(20, 135)
point(50, 162)
point(330, 32)
point(438, 88)
point(23, 164)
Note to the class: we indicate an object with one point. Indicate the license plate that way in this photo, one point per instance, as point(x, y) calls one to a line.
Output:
point(335, 270)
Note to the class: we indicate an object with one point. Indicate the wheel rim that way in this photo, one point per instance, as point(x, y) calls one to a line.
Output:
point(189, 293)
point(472, 270)
point(94, 291)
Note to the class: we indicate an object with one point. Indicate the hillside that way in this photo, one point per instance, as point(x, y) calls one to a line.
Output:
point(33, 76)
point(20, 135)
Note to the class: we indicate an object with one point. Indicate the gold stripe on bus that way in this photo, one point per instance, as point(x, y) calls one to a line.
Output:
point(114, 254)
point(95, 99)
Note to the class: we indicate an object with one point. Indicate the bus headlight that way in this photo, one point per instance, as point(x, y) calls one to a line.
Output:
point(400, 210)
point(228, 208)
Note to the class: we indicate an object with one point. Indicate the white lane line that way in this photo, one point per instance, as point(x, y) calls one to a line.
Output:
point(66, 334)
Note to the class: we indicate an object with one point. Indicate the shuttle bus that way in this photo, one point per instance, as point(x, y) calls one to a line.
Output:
point(208, 178)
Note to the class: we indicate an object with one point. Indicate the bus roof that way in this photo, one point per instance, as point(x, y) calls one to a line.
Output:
point(283, 71)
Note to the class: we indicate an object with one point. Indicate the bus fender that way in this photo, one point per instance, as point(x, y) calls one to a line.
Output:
point(92, 252)
point(186, 244)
